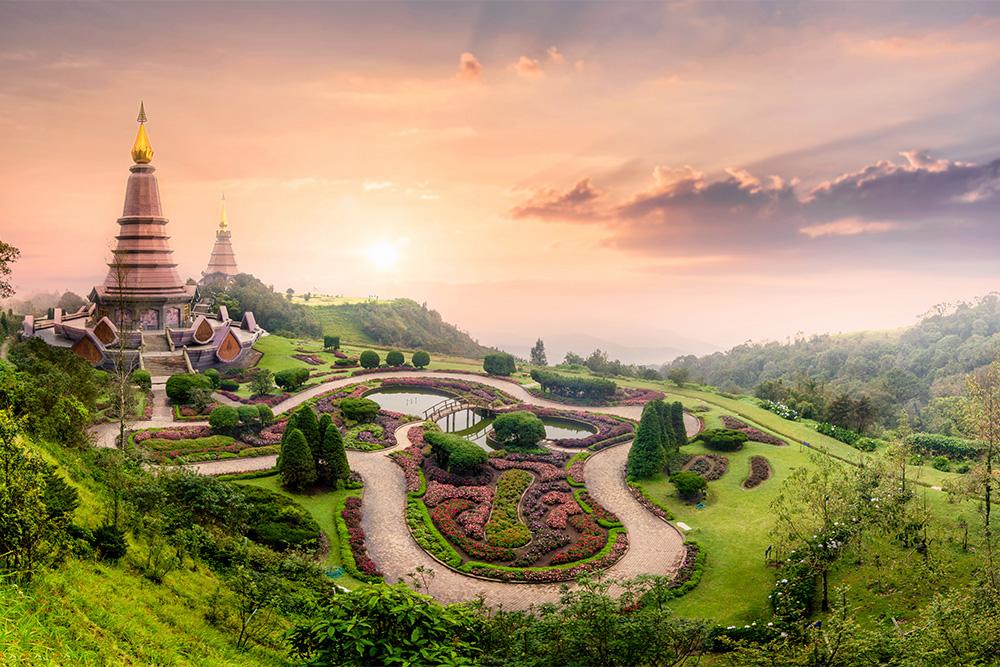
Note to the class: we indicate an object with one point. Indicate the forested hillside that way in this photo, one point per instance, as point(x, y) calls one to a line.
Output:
point(913, 367)
point(398, 323)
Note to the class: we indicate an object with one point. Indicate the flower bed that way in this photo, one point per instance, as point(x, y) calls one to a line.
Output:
point(646, 501)
point(710, 466)
point(616, 548)
point(598, 510)
point(270, 400)
point(760, 471)
point(623, 396)
point(607, 430)
point(504, 529)
point(472, 391)
point(444, 518)
point(575, 469)
point(359, 564)
point(174, 433)
point(752, 433)
point(310, 359)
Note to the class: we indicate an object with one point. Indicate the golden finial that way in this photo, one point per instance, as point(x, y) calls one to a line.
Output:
point(142, 152)
point(223, 220)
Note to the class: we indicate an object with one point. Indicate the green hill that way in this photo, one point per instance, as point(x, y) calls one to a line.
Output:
point(397, 323)
point(915, 367)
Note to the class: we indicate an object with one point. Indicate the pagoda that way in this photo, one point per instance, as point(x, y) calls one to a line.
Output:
point(222, 262)
point(142, 286)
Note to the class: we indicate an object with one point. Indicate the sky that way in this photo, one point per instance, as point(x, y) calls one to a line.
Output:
point(672, 178)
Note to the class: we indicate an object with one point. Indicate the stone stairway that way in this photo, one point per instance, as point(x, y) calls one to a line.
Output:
point(160, 365)
point(156, 341)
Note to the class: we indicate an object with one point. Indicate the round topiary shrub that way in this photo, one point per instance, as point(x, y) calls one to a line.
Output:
point(224, 418)
point(420, 359)
point(229, 385)
point(264, 414)
point(359, 409)
point(213, 375)
point(395, 358)
point(518, 430)
point(181, 386)
point(369, 359)
point(142, 379)
point(499, 363)
point(249, 415)
point(723, 439)
point(291, 378)
point(690, 486)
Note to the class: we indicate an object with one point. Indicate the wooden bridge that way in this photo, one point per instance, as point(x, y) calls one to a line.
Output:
point(450, 406)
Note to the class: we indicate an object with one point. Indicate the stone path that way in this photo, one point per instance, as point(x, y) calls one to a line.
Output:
point(655, 547)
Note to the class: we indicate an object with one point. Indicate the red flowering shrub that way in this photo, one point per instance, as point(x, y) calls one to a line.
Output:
point(550, 576)
point(752, 433)
point(177, 433)
point(310, 359)
point(599, 511)
point(760, 471)
point(592, 539)
point(545, 471)
point(443, 517)
point(352, 517)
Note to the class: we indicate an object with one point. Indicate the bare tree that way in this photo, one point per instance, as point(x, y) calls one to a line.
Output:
point(983, 416)
point(121, 374)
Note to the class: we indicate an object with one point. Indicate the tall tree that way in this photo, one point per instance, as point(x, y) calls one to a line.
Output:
point(8, 255)
point(677, 422)
point(646, 458)
point(983, 391)
point(298, 470)
point(334, 466)
point(538, 354)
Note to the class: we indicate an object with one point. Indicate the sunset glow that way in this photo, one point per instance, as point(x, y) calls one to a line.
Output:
point(698, 163)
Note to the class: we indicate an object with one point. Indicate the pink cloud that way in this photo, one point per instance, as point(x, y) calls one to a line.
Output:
point(848, 227)
point(469, 67)
point(555, 56)
point(578, 204)
point(528, 67)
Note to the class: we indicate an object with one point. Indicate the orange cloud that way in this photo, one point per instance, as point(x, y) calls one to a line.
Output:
point(848, 227)
point(555, 56)
point(469, 67)
point(528, 67)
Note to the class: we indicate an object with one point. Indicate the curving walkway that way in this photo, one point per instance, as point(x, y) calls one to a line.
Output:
point(655, 547)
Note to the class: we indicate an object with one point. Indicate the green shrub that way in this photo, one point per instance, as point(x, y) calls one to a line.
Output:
point(689, 485)
point(941, 463)
point(866, 444)
point(110, 543)
point(518, 430)
point(369, 359)
point(945, 445)
point(350, 361)
point(331, 342)
point(229, 385)
point(296, 465)
point(278, 521)
point(101, 377)
point(213, 375)
point(647, 457)
point(142, 379)
point(249, 415)
point(420, 359)
point(291, 378)
point(846, 436)
point(575, 387)
point(395, 358)
point(359, 409)
point(723, 439)
point(180, 387)
point(499, 363)
point(454, 452)
point(224, 418)
point(264, 414)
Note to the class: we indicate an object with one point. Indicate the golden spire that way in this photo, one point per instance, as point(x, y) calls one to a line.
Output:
point(142, 152)
point(223, 220)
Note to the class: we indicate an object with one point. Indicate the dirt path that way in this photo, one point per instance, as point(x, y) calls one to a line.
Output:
point(654, 546)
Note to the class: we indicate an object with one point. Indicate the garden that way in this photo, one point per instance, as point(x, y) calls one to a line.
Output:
point(511, 515)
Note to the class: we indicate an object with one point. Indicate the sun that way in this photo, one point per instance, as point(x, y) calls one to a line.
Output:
point(383, 255)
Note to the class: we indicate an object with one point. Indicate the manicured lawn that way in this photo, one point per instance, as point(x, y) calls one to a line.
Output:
point(320, 505)
point(734, 528)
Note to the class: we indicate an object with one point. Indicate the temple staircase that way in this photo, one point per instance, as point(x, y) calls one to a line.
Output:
point(161, 365)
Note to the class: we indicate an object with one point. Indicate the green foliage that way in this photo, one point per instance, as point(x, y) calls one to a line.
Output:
point(647, 457)
point(369, 359)
point(394, 358)
point(230, 385)
point(261, 382)
point(420, 359)
point(278, 521)
point(359, 409)
point(110, 543)
point(679, 375)
point(384, 625)
point(689, 485)
point(571, 386)
point(224, 419)
point(296, 465)
point(180, 387)
point(331, 342)
point(67, 422)
point(838, 433)
point(677, 422)
point(213, 375)
point(332, 466)
point(455, 453)
point(142, 379)
point(723, 439)
point(504, 529)
point(944, 445)
point(264, 414)
point(499, 363)
point(291, 379)
point(249, 415)
point(272, 311)
point(538, 357)
point(518, 430)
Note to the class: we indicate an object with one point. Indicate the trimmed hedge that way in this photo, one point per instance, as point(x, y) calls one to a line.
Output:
point(575, 387)
point(723, 439)
point(945, 445)
point(454, 453)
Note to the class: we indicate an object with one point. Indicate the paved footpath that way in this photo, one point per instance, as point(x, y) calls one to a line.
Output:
point(655, 547)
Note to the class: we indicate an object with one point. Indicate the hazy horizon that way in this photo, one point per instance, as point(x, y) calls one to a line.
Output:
point(661, 176)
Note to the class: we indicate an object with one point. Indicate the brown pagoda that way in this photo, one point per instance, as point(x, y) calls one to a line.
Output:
point(222, 262)
point(142, 285)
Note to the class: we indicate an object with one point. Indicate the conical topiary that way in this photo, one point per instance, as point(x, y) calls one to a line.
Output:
point(298, 471)
point(334, 466)
point(646, 458)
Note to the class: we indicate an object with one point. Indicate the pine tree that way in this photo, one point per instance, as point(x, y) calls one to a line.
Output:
point(308, 424)
point(538, 357)
point(324, 423)
point(669, 440)
point(334, 458)
point(298, 470)
point(647, 458)
point(677, 421)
